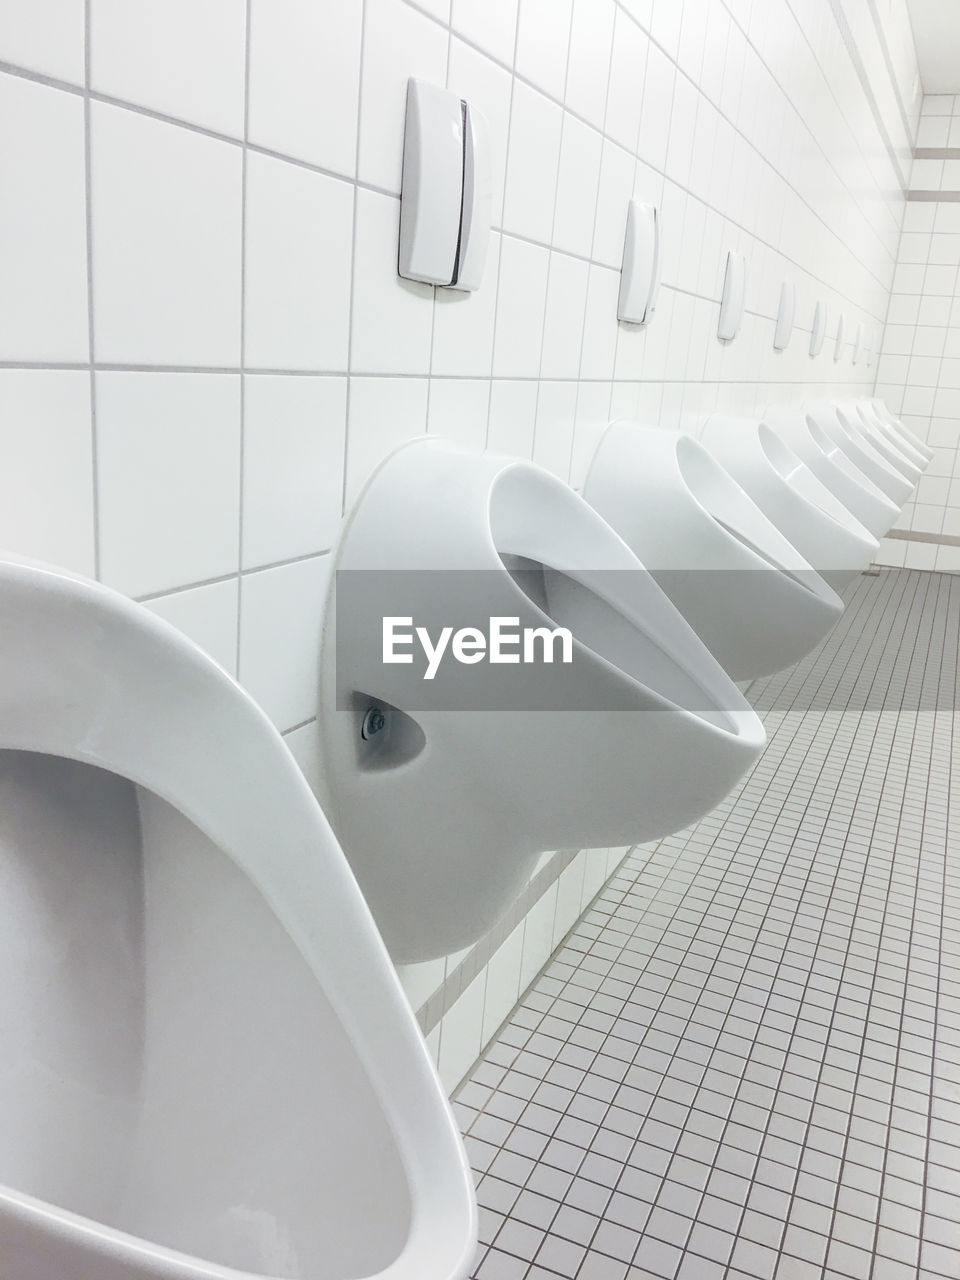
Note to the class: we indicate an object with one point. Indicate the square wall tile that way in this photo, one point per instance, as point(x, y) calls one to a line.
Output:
point(281, 614)
point(460, 1037)
point(293, 446)
point(543, 42)
point(43, 224)
point(168, 467)
point(182, 58)
point(399, 42)
point(588, 68)
point(305, 80)
point(46, 482)
point(383, 413)
point(305, 747)
point(513, 417)
point(488, 88)
point(299, 231)
point(534, 157)
point(458, 410)
point(577, 187)
point(166, 243)
point(463, 323)
point(491, 24)
point(520, 309)
point(45, 36)
point(209, 615)
point(392, 317)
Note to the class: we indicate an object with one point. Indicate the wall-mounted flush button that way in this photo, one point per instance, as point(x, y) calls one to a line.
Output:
point(446, 190)
point(838, 345)
point(640, 275)
point(819, 330)
point(731, 300)
point(784, 330)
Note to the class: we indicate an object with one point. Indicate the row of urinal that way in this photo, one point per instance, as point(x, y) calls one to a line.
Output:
point(208, 1070)
point(683, 568)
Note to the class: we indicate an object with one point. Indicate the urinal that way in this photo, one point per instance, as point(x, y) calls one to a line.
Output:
point(830, 464)
point(902, 457)
point(904, 441)
point(754, 601)
point(788, 493)
point(884, 415)
point(444, 790)
point(861, 452)
point(208, 1070)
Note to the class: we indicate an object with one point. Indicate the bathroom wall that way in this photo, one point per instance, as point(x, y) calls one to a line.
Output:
point(205, 348)
point(919, 371)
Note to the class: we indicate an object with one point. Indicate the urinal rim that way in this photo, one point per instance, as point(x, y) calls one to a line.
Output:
point(741, 720)
point(677, 440)
point(854, 420)
point(861, 480)
point(854, 529)
point(892, 435)
point(873, 456)
point(66, 1224)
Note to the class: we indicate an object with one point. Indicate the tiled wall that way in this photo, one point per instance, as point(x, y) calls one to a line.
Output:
point(919, 371)
point(204, 345)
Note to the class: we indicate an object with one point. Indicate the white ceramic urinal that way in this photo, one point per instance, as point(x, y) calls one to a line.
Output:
point(788, 493)
point(444, 790)
point(875, 414)
point(208, 1070)
point(864, 456)
point(755, 602)
point(902, 457)
point(883, 415)
point(830, 464)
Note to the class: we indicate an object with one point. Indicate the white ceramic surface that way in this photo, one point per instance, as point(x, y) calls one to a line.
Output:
point(870, 505)
point(444, 814)
point(752, 598)
point(876, 412)
point(789, 494)
point(208, 1069)
point(858, 418)
point(844, 431)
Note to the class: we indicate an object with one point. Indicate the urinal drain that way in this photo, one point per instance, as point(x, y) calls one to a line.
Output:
point(372, 723)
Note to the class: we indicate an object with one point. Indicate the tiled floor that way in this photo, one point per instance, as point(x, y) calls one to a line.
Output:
point(745, 1060)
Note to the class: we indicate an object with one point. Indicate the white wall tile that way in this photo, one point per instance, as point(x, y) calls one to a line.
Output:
point(460, 1037)
point(281, 613)
point(543, 41)
point(463, 324)
point(209, 615)
point(45, 36)
point(503, 983)
point(563, 326)
point(520, 309)
point(488, 88)
point(299, 234)
point(513, 417)
point(46, 482)
point(399, 42)
point(392, 317)
point(304, 73)
point(184, 58)
point(168, 468)
point(579, 175)
point(383, 414)
point(458, 410)
point(534, 157)
point(588, 68)
point(491, 24)
point(305, 747)
point(556, 408)
point(42, 224)
point(166, 243)
point(293, 448)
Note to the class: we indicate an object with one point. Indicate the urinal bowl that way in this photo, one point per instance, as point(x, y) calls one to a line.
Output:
point(890, 442)
point(475, 773)
point(208, 1070)
point(755, 602)
point(833, 467)
point(897, 479)
point(788, 493)
point(844, 432)
point(903, 432)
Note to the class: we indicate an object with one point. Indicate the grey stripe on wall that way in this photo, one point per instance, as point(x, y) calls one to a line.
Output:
point(937, 153)
point(920, 535)
point(933, 197)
